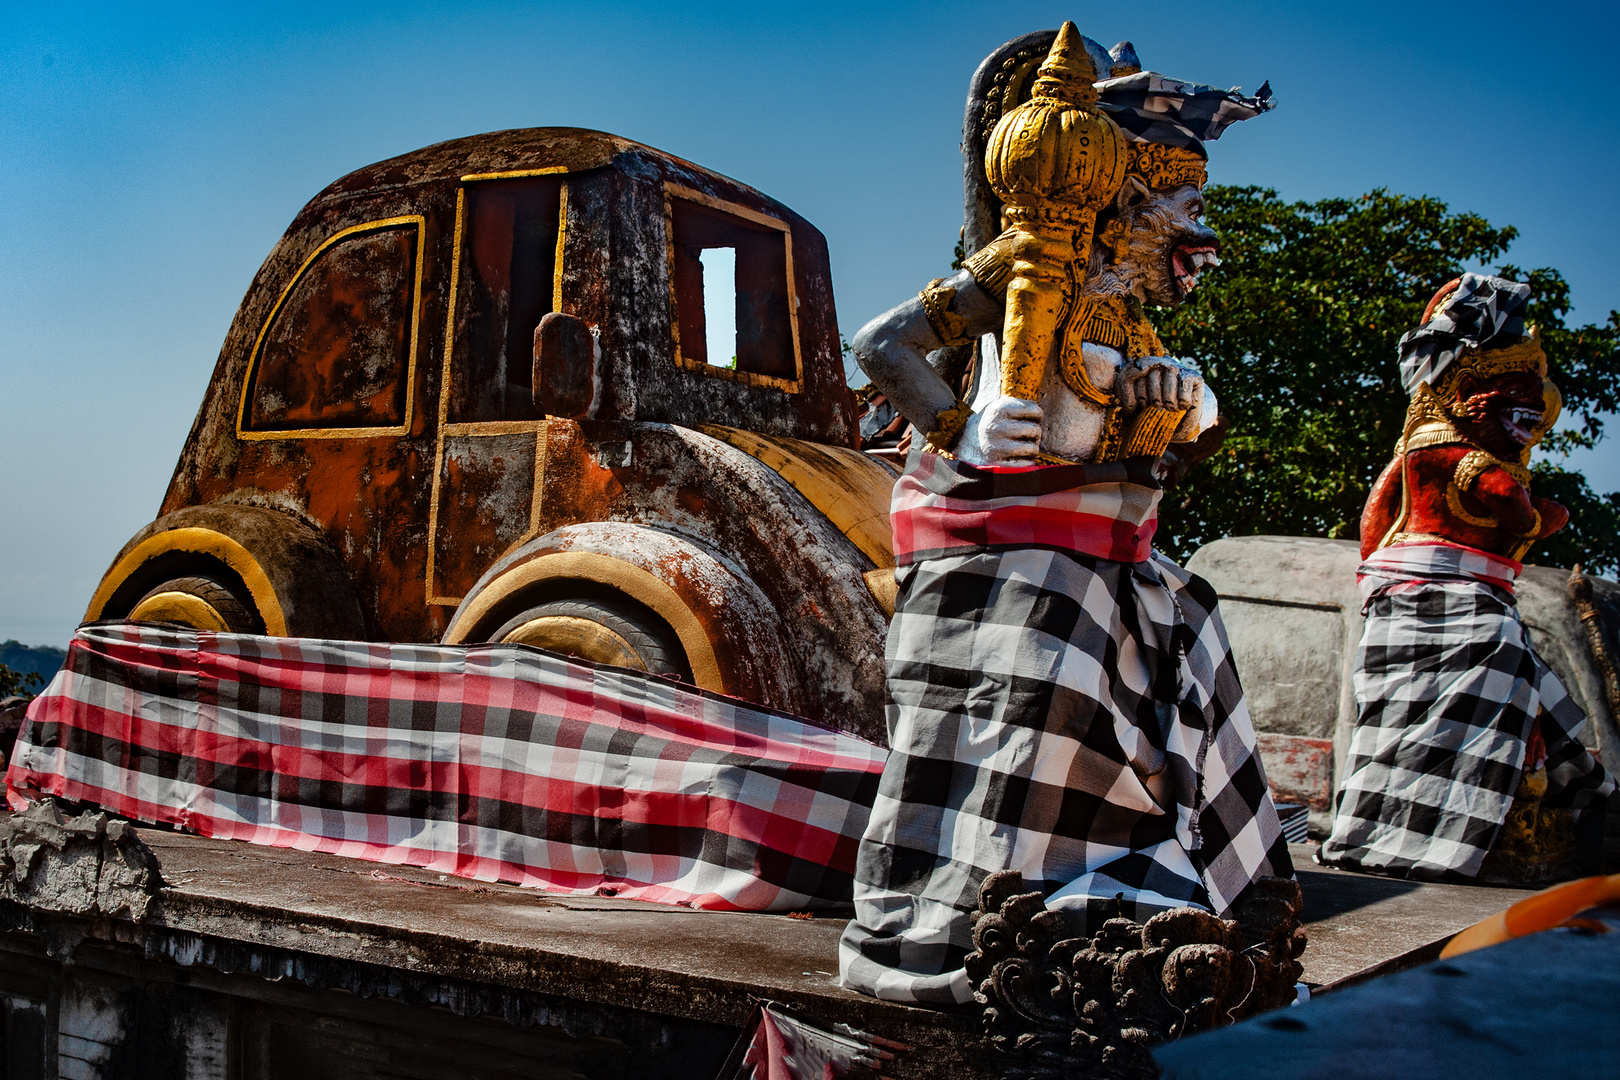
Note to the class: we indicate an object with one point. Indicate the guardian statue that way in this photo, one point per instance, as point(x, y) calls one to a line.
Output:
point(1062, 700)
point(1465, 757)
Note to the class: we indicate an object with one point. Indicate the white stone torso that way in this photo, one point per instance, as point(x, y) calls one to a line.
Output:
point(1071, 426)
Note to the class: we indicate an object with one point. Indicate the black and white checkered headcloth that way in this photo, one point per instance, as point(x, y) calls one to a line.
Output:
point(1483, 313)
point(1155, 108)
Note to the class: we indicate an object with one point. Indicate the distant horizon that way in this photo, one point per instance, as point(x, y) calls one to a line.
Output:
point(153, 156)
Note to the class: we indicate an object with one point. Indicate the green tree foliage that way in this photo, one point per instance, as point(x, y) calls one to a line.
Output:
point(17, 682)
point(1297, 334)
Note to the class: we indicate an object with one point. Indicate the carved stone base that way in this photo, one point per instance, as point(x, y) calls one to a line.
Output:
point(1536, 844)
point(1064, 1004)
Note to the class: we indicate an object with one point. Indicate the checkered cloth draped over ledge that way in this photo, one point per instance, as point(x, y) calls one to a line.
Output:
point(494, 762)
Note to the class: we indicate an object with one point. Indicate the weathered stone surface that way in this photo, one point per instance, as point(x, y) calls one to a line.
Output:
point(91, 864)
point(1364, 924)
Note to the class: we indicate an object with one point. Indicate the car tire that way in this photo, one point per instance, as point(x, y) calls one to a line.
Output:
point(601, 631)
point(199, 602)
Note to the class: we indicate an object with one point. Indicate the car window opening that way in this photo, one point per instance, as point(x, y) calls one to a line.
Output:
point(732, 294)
point(719, 270)
point(337, 349)
point(508, 273)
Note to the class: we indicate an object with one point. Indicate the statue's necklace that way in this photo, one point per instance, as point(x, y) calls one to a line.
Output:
point(1114, 321)
point(1118, 323)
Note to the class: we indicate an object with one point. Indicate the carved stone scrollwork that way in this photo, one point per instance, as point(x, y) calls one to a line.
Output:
point(1064, 1004)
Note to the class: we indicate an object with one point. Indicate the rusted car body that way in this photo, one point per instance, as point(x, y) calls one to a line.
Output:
point(374, 457)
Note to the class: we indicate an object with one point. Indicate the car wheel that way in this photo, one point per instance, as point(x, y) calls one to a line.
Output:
point(601, 631)
point(199, 602)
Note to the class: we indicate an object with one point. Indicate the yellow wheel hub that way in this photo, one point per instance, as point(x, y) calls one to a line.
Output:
point(182, 608)
point(574, 636)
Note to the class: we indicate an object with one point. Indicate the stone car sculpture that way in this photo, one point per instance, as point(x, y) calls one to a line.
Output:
point(468, 398)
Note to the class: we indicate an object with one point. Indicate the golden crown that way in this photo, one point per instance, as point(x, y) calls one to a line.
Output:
point(1161, 166)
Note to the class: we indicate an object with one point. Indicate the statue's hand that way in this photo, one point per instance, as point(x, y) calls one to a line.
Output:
point(1198, 419)
point(1160, 382)
point(1554, 516)
point(1005, 432)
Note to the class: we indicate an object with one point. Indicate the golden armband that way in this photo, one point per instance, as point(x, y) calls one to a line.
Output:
point(951, 422)
point(949, 327)
point(1471, 468)
point(992, 266)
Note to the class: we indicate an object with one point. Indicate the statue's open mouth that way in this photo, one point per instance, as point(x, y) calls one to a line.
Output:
point(1521, 424)
point(1187, 262)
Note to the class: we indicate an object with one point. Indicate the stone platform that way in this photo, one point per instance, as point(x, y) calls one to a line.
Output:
point(1362, 925)
point(643, 955)
point(253, 932)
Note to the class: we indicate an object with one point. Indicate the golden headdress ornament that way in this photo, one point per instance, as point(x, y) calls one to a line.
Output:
point(1159, 165)
point(1057, 157)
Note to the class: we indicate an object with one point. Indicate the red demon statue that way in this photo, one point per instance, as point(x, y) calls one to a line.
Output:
point(1461, 473)
point(1465, 759)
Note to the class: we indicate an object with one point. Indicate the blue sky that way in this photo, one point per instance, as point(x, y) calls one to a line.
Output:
point(151, 155)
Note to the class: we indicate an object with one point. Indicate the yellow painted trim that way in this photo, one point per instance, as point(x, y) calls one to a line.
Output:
point(549, 170)
point(201, 542)
point(856, 501)
point(794, 385)
point(737, 209)
point(495, 427)
point(537, 496)
point(419, 223)
point(182, 608)
point(575, 636)
point(444, 389)
point(632, 581)
point(557, 260)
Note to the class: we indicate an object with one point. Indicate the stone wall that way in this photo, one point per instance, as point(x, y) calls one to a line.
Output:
point(1294, 616)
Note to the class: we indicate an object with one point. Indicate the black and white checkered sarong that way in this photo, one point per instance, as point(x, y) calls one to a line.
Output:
point(1073, 718)
point(1447, 686)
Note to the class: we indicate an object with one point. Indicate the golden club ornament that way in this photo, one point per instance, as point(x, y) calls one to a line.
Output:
point(1054, 161)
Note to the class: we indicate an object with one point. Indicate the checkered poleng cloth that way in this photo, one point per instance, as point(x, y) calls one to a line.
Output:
point(1447, 686)
point(494, 762)
point(1053, 711)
